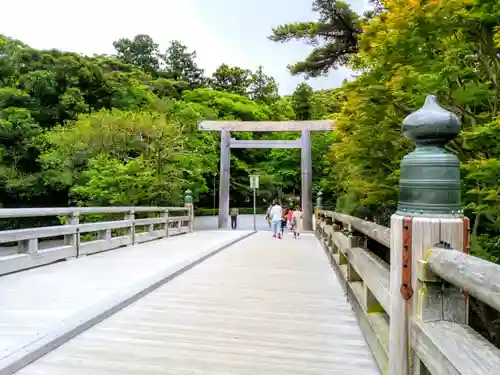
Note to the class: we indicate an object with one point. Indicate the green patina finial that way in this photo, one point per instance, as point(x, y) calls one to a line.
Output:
point(430, 176)
point(187, 197)
point(319, 200)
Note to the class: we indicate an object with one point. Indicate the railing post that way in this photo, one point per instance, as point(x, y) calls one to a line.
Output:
point(429, 211)
point(28, 246)
point(73, 239)
point(318, 208)
point(131, 230)
point(105, 235)
point(166, 223)
point(188, 204)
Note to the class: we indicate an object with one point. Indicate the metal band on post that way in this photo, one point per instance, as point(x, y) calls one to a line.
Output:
point(406, 287)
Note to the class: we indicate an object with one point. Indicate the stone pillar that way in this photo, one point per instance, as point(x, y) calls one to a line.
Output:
point(306, 176)
point(429, 212)
point(225, 160)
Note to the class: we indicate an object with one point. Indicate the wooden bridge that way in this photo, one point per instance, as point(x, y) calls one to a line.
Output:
point(151, 295)
point(139, 290)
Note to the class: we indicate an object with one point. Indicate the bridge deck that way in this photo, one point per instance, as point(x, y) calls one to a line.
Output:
point(35, 301)
point(261, 306)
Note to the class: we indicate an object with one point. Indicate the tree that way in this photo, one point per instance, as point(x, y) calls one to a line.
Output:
point(302, 101)
point(334, 37)
point(141, 52)
point(103, 157)
point(262, 87)
point(234, 80)
point(180, 65)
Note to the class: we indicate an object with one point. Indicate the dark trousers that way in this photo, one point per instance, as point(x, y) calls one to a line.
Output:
point(233, 222)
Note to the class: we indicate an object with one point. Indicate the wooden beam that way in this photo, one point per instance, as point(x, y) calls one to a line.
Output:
point(373, 271)
point(378, 232)
point(267, 126)
point(237, 143)
point(454, 349)
point(478, 276)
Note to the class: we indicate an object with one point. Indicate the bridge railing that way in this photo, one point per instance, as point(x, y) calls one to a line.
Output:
point(76, 238)
point(436, 339)
point(365, 276)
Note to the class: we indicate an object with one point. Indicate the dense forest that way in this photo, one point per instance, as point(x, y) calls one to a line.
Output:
point(122, 129)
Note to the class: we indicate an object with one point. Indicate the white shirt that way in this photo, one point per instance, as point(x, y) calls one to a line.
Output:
point(276, 213)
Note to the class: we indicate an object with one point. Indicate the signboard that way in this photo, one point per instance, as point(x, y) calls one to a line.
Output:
point(254, 181)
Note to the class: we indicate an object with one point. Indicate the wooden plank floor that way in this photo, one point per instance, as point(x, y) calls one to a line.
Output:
point(263, 306)
point(33, 301)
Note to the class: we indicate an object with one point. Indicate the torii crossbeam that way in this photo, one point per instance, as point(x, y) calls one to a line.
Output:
point(304, 143)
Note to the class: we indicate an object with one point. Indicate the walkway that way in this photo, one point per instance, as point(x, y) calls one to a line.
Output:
point(35, 301)
point(261, 306)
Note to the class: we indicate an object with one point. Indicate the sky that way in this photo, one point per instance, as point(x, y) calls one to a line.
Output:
point(220, 31)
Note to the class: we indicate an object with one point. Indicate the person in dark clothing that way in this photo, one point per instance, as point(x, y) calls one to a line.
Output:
point(234, 218)
point(283, 221)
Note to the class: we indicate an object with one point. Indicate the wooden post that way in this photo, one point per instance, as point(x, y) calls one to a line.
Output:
point(28, 246)
point(430, 300)
point(71, 239)
point(166, 222)
point(190, 212)
point(131, 230)
point(105, 235)
point(398, 330)
point(225, 161)
point(428, 213)
point(306, 174)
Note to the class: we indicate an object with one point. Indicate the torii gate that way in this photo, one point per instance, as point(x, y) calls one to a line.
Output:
point(304, 143)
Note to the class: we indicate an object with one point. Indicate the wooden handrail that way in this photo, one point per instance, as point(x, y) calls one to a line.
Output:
point(478, 276)
point(365, 278)
point(442, 345)
point(378, 232)
point(28, 253)
point(58, 211)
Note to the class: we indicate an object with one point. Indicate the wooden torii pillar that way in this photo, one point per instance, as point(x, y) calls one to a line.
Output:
point(304, 143)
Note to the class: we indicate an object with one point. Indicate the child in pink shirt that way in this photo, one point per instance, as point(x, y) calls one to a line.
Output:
point(289, 217)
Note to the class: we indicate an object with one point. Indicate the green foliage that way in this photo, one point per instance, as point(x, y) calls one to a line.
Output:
point(302, 102)
point(231, 79)
point(90, 130)
point(257, 86)
point(141, 52)
point(180, 65)
point(263, 88)
point(334, 37)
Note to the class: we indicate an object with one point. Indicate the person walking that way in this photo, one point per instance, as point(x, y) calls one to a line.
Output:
point(289, 218)
point(275, 214)
point(297, 222)
point(234, 218)
point(284, 218)
point(268, 215)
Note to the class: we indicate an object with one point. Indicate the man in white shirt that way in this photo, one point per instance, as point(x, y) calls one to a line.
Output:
point(275, 213)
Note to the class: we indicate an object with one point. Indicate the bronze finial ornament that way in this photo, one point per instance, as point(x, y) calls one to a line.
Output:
point(430, 176)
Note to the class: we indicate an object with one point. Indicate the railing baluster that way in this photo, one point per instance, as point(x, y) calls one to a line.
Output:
point(130, 231)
